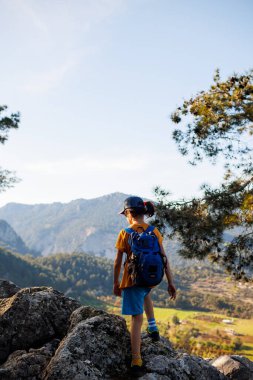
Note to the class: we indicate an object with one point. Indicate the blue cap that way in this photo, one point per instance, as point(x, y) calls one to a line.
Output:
point(133, 202)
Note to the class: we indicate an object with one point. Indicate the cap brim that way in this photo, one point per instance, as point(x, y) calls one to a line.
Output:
point(122, 212)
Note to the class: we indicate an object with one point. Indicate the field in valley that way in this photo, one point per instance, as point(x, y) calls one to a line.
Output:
point(203, 333)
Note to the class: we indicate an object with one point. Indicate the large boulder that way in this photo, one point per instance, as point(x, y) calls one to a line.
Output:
point(32, 317)
point(183, 367)
point(163, 362)
point(234, 367)
point(96, 347)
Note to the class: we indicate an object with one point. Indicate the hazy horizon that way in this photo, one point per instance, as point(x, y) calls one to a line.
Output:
point(73, 200)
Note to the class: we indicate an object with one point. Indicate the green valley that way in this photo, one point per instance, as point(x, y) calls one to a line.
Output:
point(90, 278)
point(203, 334)
point(194, 322)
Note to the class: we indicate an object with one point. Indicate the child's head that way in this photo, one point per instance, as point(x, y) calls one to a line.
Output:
point(135, 207)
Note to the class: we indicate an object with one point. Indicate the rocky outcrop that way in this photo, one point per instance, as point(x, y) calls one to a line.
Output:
point(47, 336)
point(32, 317)
point(96, 346)
point(234, 367)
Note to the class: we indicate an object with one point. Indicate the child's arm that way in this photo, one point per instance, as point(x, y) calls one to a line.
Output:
point(171, 286)
point(116, 273)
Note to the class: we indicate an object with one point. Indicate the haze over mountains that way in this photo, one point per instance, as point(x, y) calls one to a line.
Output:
point(82, 226)
point(79, 226)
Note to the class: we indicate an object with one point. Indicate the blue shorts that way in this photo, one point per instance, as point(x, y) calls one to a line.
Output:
point(133, 300)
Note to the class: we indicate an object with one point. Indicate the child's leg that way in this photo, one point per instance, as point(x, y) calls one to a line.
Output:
point(148, 307)
point(149, 310)
point(136, 324)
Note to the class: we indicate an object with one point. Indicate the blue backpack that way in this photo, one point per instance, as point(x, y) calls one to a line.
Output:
point(146, 263)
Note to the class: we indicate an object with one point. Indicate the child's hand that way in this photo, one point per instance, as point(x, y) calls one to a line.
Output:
point(172, 291)
point(116, 290)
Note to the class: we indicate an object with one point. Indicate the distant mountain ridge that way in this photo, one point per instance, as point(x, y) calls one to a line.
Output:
point(78, 226)
point(11, 240)
point(81, 226)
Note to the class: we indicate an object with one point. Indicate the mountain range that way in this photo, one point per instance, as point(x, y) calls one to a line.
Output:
point(78, 226)
point(82, 225)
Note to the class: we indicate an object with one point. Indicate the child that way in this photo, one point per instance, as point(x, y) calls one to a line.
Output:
point(135, 297)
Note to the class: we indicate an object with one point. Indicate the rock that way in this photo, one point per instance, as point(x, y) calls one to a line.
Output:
point(7, 289)
point(162, 347)
point(28, 365)
point(32, 317)
point(234, 367)
point(82, 313)
point(163, 362)
point(181, 367)
point(95, 348)
point(154, 376)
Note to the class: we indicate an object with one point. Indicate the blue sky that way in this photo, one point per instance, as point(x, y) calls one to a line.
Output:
point(96, 81)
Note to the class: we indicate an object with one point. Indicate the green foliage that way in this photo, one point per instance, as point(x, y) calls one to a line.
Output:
point(219, 123)
point(237, 344)
point(83, 274)
point(24, 271)
point(80, 276)
point(218, 119)
point(6, 124)
point(175, 320)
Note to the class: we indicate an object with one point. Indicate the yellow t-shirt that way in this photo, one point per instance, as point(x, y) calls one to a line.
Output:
point(123, 246)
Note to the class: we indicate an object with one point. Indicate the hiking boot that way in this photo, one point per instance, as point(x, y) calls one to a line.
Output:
point(136, 371)
point(154, 335)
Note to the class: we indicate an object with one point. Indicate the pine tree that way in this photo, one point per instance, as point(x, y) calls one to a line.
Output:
point(7, 179)
point(215, 124)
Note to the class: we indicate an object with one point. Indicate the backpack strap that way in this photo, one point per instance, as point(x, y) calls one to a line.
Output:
point(150, 229)
point(129, 230)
